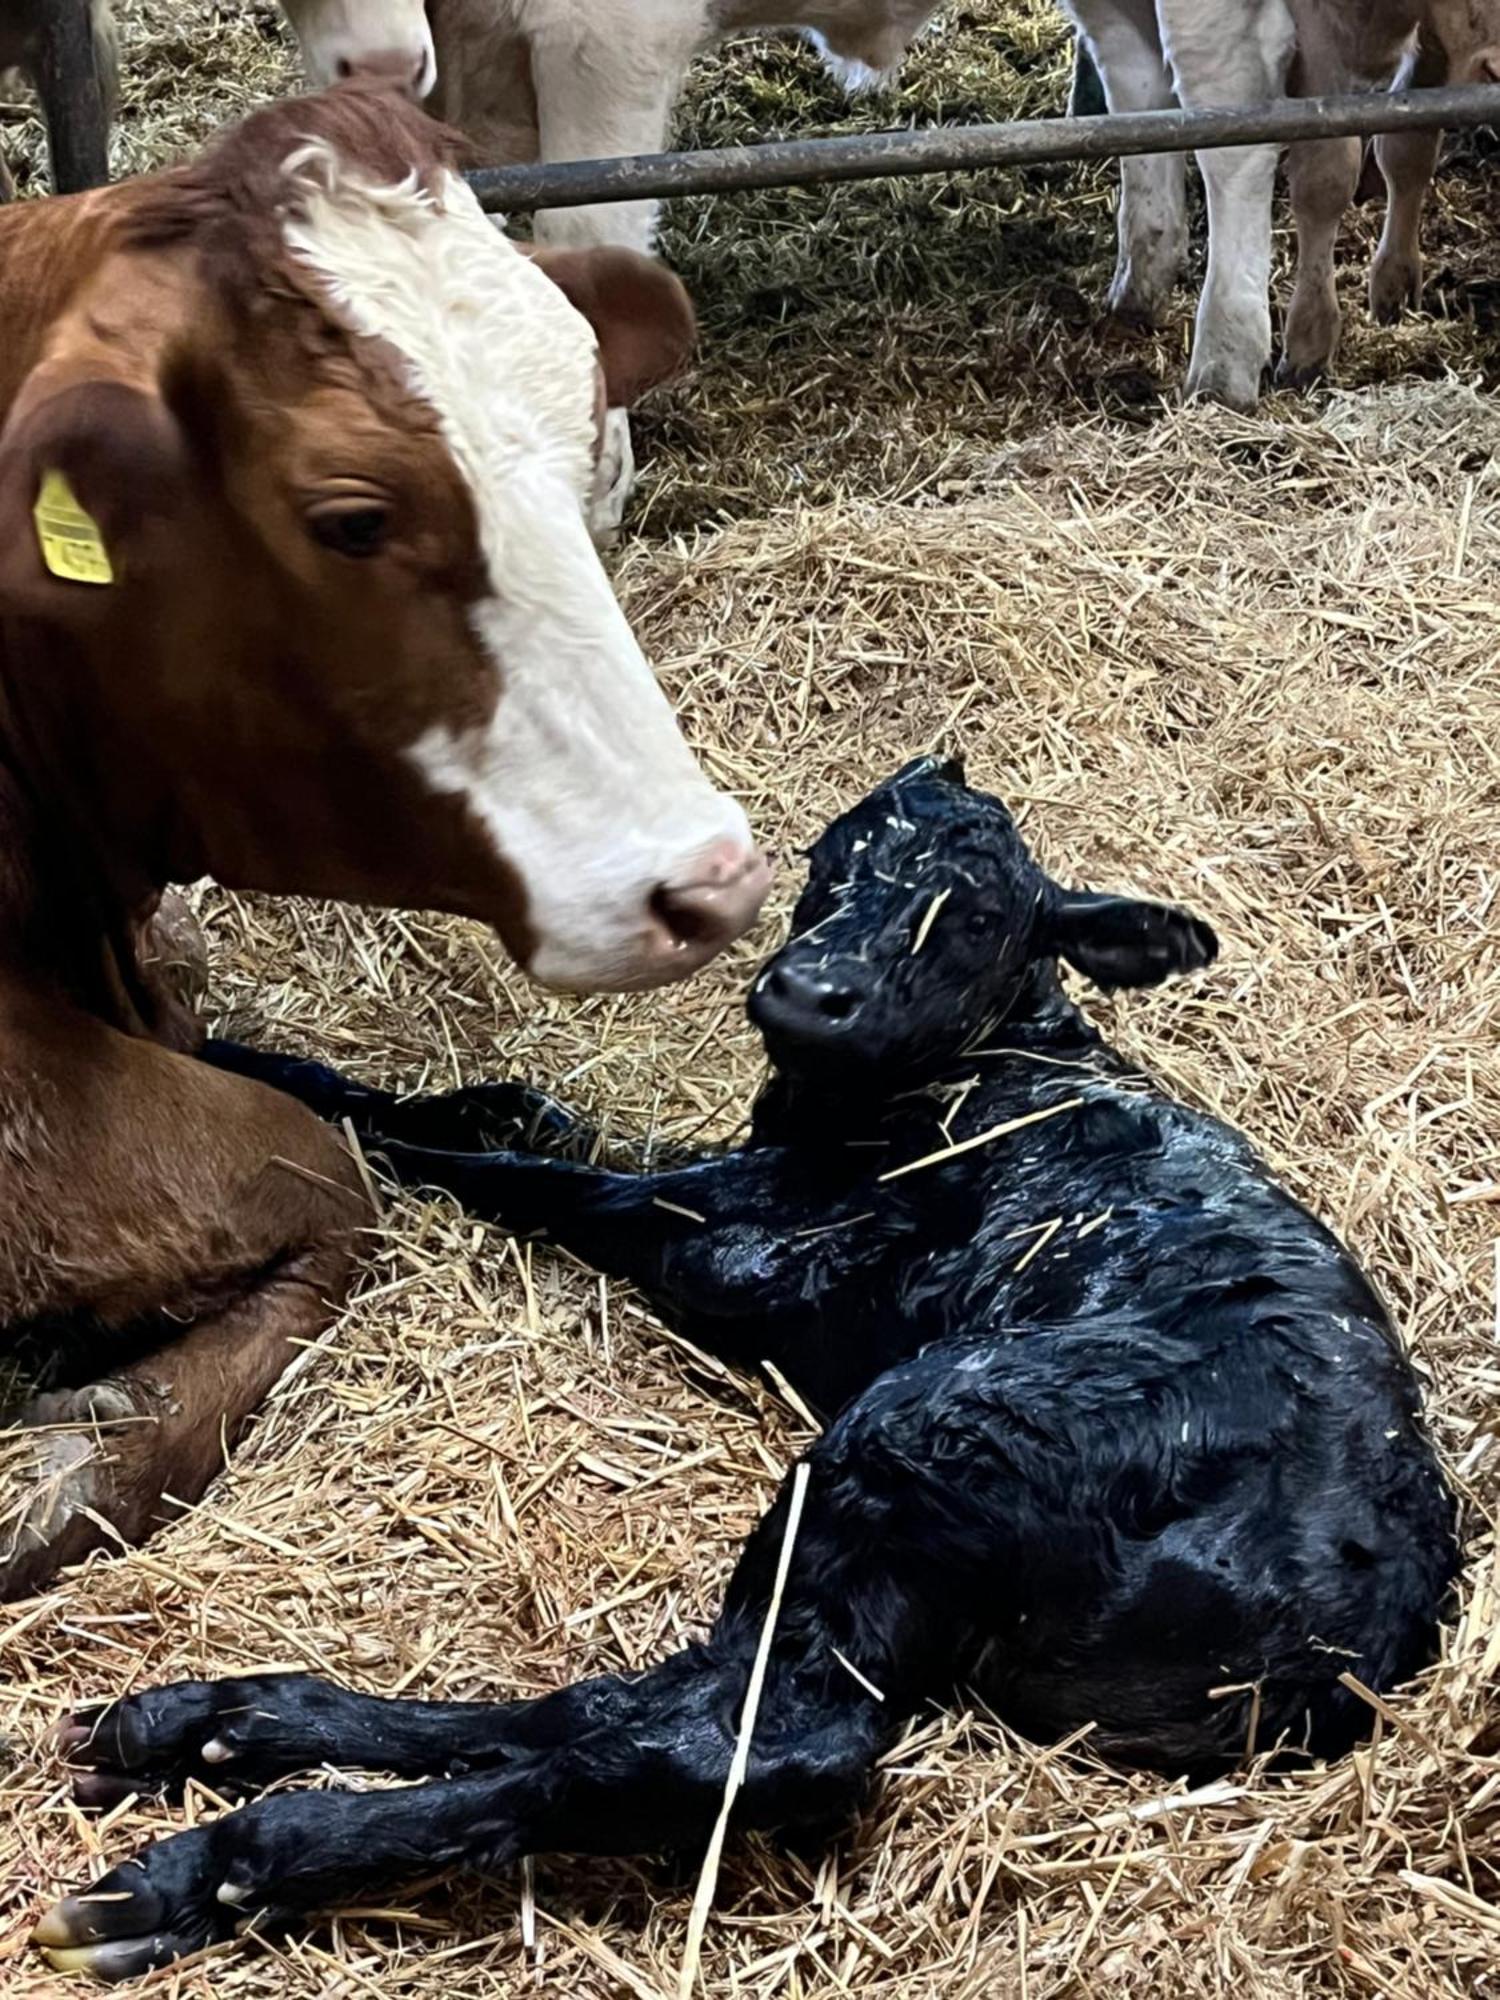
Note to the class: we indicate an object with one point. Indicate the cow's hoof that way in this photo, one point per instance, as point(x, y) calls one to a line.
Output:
point(1132, 309)
point(1395, 288)
point(234, 1735)
point(179, 1896)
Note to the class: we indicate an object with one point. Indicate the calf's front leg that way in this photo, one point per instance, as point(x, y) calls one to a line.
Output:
point(1323, 175)
point(1225, 53)
point(1122, 37)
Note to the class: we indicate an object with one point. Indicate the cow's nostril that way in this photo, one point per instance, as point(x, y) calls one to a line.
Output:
point(721, 900)
point(343, 69)
point(837, 1004)
point(685, 913)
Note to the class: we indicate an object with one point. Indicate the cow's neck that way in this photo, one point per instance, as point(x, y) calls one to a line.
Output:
point(84, 834)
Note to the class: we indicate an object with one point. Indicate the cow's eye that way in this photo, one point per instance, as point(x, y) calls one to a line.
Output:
point(979, 923)
point(351, 528)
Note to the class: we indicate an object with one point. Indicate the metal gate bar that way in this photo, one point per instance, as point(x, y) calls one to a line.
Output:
point(960, 148)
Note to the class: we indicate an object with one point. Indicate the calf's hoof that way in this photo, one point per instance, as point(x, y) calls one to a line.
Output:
point(1395, 288)
point(1233, 383)
point(181, 1895)
point(234, 1735)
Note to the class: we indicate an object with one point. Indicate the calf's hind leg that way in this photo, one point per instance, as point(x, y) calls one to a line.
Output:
point(622, 1764)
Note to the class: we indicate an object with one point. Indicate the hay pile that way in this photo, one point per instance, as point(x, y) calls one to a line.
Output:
point(1250, 663)
point(1244, 662)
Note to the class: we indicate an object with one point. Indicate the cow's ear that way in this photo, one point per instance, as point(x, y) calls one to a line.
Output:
point(1117, 941)
point(641, 314)
point(91, 466)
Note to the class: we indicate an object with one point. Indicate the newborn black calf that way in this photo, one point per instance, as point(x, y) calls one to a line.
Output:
point(1120, 1434)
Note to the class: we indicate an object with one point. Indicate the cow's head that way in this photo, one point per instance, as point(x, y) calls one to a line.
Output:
point(337, 439)
point(338, 37)
point(925, 922)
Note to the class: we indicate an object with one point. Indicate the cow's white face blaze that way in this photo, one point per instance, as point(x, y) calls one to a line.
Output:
point(339, 36)
point(579, 776)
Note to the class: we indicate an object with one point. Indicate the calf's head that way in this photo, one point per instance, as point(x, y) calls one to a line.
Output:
point(337, 439)
point(1468, 32)
point(923, 923)
point(339, 37)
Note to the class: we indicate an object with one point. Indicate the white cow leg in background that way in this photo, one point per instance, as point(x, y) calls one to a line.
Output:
point(1225, 53)
point(598, 96)
point(1122, 38)
point(614, 482)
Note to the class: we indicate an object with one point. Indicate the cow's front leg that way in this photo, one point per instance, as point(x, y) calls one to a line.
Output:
point(601, 95)
point(1407, 162)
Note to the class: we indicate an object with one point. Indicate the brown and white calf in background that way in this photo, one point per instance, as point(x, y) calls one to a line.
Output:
point(297, 590)
point(577, 79)
point(528, 80)
point(1205, 54)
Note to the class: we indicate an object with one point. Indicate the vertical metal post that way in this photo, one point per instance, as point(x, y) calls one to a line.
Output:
point(72, 93)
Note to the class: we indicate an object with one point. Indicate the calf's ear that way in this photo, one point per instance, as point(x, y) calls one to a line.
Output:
point(1117, 941)
point(90, 466)
point(936, 764)
point(641, 314)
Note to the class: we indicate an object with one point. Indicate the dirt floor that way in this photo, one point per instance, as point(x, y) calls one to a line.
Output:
point(917, 491)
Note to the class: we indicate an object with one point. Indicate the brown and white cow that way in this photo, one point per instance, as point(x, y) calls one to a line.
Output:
point(297, 590)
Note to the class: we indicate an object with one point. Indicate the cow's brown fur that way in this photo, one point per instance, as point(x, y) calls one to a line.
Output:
point(159, 348)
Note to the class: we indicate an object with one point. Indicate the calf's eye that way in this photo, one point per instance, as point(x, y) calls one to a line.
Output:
point(357, 530)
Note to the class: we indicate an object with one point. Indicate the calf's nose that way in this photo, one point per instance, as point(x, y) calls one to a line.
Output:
point(806, 998)
point(414, 68)
point(714, 900)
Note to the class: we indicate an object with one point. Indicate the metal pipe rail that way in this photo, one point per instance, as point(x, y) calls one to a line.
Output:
point(960, 148)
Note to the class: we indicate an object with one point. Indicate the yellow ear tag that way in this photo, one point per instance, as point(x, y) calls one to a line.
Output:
point(72, 546)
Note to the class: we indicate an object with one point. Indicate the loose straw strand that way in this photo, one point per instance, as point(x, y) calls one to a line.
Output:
point(708, 1878)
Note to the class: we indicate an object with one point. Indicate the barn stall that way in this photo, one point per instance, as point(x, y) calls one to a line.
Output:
point(916, 490)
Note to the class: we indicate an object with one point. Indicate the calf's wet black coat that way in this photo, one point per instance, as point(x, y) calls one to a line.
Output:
point(1119, 1434)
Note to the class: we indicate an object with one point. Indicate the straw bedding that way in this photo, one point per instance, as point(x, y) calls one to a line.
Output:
point(1246, 662)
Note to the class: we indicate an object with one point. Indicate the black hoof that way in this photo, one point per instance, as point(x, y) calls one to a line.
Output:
point(233, 1735)
point(161, 1907)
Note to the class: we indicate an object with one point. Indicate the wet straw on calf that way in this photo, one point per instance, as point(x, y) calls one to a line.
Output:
point(1120, 1434)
